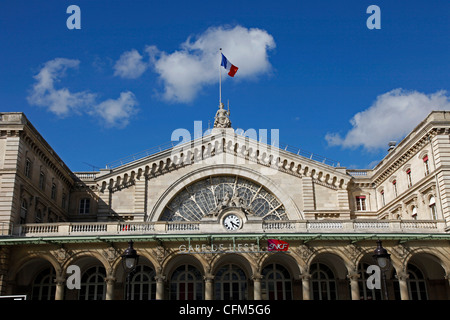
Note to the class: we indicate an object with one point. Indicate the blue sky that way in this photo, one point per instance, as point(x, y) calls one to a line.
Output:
point(138, 70)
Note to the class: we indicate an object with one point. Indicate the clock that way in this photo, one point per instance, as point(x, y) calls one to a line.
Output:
point(232, 222)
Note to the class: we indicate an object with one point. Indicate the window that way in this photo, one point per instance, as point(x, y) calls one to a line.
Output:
point(323, 283)
point(84, 206)
point(53, 194)
point(426, 164)
point(186, 284)
point(143, 284)
point(383, 201)
point(231, 283)
point(416, 284)
point(23, 211)
point(28, 168)
point(93, 284)
point(408, 176)
point(414, 213)
point(51, 216)
point(63, 201)
point(38, 216)
point(433, 208)
point(361, 203)
point(211, 195)
point(42, 181)
point(276, 283)
point(44, 286)
point(394, 184)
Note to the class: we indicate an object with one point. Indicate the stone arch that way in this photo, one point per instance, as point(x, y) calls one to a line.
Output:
point(284, 259)
point(334, 259)
point(234, 258)
point(29, 260)
point(428, 256)
point(24, 276)
point(214, 170)
point(182, 259)
point(85, 259)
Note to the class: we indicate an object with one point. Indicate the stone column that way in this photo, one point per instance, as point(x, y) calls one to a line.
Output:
point(110, 282)
point(306, 277)
point(354, 284)
point(257, 286)
point(160, 286)
point(209, 287)
point(60, 283)
point(402, 281)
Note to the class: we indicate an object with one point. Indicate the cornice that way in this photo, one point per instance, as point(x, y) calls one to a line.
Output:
point(405, 153)
point(241, 147)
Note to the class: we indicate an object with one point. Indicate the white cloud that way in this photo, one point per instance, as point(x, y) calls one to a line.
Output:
point(390, 118)
point(130, 65)
point(58, 101)
point(117, 112)
point(62, 102)
point(186, 71)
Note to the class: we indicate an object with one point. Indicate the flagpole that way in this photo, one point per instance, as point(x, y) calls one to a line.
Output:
point(220, 78)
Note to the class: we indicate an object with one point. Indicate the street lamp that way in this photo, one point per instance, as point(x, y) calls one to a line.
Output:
point(383, 259)
point(130, 260)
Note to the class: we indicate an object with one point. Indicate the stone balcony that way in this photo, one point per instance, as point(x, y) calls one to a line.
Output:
point(304, 227)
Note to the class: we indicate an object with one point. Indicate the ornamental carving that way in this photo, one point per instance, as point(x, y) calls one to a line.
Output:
point(161, 253)
point(353, 252)
point(304, 252)
point(61, 255)
point(401, 251)
point(111, 254)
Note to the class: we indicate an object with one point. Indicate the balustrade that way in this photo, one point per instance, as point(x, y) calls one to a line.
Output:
point(173, 227)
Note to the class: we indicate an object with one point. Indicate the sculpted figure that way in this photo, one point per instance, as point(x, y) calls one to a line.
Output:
point(222, 119)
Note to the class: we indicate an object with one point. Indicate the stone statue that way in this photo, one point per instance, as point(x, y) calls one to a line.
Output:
point(222, 119)
point(231, 201)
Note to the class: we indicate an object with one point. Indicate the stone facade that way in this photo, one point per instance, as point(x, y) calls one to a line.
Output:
point(174, 205)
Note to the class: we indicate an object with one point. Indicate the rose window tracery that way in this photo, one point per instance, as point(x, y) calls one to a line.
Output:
point(208, 197)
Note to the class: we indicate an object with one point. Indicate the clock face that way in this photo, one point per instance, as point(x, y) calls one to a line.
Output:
point(232, 222)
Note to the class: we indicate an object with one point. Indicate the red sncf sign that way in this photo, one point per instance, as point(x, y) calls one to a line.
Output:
point(277, 245)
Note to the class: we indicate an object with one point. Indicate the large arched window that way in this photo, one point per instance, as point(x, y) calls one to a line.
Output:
point(416, 284)
point(207, 196)
point(44, 287)
point(93, 284)
point(186, 283)
point(143, 284)
point(230, 283)
point(276, 283)
point(323, 283)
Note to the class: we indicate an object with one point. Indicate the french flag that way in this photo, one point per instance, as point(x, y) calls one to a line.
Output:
point(231, 68)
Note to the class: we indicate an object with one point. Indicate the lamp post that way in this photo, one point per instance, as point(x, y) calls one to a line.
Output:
point(383, 260)
point(130, 260)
